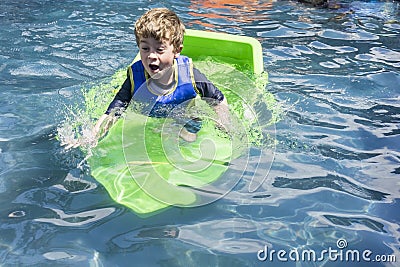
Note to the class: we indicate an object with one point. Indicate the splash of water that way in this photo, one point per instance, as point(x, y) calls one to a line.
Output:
point(77, 127)
point(253, 106)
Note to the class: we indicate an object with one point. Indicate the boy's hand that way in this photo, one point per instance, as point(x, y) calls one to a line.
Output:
point(224, 122)
point(90, 137)
point(103, 125)
point(73, 143)
point(86, 140)
point(187, 136)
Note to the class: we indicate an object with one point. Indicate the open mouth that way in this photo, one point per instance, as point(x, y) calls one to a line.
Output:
point(154, 67)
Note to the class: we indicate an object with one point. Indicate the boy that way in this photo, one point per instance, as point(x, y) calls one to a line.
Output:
point(163, 79)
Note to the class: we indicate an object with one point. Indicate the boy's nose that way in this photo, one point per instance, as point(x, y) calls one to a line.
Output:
point(152, 55)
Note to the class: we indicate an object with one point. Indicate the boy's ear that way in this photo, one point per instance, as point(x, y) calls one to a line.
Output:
point(178, 51)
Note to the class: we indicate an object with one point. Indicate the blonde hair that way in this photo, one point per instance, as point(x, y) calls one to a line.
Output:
point(161, 24)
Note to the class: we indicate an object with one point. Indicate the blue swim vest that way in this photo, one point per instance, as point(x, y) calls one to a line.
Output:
point(161, 105)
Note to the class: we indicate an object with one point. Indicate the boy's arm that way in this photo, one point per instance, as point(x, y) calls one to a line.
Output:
point(114, 110)
point(122, 98)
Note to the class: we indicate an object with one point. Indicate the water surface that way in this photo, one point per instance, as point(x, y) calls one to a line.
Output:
point(334, 174)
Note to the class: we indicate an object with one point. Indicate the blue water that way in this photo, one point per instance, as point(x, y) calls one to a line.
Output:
point(335, 171)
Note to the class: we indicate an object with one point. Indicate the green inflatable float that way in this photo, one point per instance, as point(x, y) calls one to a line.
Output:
point(142, 162)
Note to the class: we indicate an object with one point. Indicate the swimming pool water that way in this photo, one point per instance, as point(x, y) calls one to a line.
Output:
point(333, 180)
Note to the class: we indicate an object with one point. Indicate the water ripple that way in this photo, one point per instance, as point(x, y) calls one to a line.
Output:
point(348, 36)
point(330, 181)
point(285, 32)
point(355, 222)
point(77, 219)
point(338, 49)
point(381, 55)
point(236, 235)
point(40, 69)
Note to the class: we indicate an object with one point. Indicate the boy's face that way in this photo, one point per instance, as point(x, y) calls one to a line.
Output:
point(157, 57)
